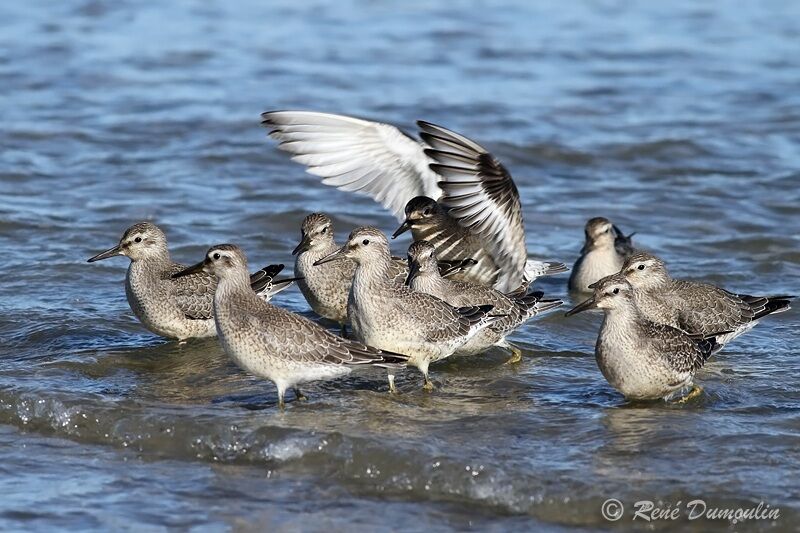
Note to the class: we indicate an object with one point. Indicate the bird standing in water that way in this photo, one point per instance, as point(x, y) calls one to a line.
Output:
point(274, 343)
point(642, 359)
point(695, 307)
point(517, 308)
point(174, 308)
point(394, 317)
point(604, 251)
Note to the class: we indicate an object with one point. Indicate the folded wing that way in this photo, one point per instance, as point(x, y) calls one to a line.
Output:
point(303, 341)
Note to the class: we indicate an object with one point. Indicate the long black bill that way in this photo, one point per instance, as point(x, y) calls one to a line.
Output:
point(591, 303)
point(333, 256)
point(413, 270)
point(304, 245)
point(404, 227)
point(194, 269)
point(111, 252)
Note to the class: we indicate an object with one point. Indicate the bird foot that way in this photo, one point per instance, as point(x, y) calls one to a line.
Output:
point(694, 393)
point(428, 386)
point(516, 356)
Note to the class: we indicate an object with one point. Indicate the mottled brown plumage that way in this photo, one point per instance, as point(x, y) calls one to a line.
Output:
point(326, 287)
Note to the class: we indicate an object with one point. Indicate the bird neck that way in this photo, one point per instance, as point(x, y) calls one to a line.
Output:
point(373, 272)
point(155, 265)
point(233, 285)
point(430, 228)
point(429, 282)
point(623, 315)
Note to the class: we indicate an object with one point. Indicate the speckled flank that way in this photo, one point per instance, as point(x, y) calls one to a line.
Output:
point(326, 287)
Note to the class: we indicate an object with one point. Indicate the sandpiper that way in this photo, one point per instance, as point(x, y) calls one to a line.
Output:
point(271, 342)
point(174, 308)
point(326, 287)
point(393, 317)
point(695, 307)
point(424, 277)
point(445, 188)
point(603, 252)
point(642, 359)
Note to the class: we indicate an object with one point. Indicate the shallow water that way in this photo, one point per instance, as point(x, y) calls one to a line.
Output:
point(681, 123)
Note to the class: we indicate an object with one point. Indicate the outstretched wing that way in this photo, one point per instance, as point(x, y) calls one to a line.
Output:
point(480, 194)
point(352, 154)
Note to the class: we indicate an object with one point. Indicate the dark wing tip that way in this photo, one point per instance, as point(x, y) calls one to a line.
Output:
point(474, 313)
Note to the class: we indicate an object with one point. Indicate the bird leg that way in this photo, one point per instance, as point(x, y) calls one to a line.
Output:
point(428, 386)
point(281, 403)
point(392, 388)
point(516, 355)
point(344, 330)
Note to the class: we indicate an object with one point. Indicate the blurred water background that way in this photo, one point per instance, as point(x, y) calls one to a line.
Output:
point(678, 120)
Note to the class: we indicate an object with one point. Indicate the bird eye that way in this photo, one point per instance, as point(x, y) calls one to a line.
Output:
point(216, 256)
point(616, 290)
point(137, 239)
point(324, 230)
point(365, 242)
point(426, 211)
point(640, 267)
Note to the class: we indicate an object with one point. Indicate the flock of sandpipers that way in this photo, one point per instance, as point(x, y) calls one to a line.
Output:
point(465, 286)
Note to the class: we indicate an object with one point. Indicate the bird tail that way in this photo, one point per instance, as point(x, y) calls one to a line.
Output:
point(623, 243)
point(280, 284)
point(532, 303)
point(264, 284)
point(537, 269)
point(767, 305)
point(709, 345)
point(361, 354)
point(477, 317)
point(392, 360)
